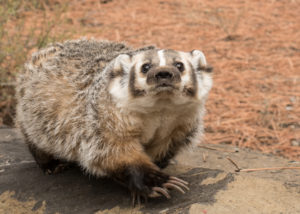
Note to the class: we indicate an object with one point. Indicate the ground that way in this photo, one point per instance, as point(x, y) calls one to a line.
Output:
point(215, 187)
point(254, 47)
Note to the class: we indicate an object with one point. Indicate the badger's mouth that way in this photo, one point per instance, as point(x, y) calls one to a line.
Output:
point(164, 89)
point(165, 85)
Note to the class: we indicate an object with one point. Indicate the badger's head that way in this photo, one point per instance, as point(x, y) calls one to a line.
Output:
point(158, 78)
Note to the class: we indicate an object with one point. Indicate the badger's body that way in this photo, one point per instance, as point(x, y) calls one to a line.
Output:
point(115, 111)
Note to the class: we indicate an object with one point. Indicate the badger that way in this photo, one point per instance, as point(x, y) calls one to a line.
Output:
point(114, 110)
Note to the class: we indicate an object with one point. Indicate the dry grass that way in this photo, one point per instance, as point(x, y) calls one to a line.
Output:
point(18, 38)
point(254, 47)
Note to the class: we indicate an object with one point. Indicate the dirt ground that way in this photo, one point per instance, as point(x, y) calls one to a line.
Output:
point(254, 47)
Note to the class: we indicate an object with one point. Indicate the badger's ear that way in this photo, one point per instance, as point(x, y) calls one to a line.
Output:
point(119, 66)
point(122, 62)
point(199, 61)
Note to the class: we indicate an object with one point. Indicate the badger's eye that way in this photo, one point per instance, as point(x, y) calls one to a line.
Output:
point(179, 66)
point(145, 67)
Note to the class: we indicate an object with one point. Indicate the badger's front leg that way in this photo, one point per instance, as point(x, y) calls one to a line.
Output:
point(130, 166)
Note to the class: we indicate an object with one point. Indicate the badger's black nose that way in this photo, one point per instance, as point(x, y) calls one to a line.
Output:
point(164, 75)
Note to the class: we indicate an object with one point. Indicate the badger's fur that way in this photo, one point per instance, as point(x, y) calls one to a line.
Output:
point(114, 110)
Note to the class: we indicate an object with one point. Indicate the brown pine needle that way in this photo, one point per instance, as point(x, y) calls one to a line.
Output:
point(238, 169)
point(271, 168)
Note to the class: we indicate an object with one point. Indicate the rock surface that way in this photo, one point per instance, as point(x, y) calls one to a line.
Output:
point(215, 187)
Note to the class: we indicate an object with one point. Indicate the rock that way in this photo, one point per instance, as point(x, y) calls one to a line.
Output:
point(215, 187)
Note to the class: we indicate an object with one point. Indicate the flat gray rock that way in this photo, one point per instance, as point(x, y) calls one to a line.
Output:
point(215, 187)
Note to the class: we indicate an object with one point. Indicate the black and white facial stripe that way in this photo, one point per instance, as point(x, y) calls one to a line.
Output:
point(152, 73)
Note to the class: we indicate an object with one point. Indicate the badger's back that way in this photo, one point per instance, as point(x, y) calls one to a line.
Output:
point(73, 60)
point(52, 89)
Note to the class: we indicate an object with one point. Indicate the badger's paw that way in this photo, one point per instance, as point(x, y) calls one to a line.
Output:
point(144, 182)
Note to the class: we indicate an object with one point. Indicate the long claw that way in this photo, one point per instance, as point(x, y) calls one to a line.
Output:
point(162, 191)
point(178, 184)
point(154, 194)
point(133, 195)
point(169, 185)
point(179, 180)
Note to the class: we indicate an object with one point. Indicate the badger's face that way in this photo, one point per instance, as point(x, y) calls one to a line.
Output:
point(154, 77)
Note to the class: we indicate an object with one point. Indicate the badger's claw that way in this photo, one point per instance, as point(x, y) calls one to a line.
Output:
point(172, 183)
point(55, 169)
point(178, 184)
point(136, 198)
point(179, 180)
point(145, 181)
point(162, 191)
point(170, 186)
point(154, 194)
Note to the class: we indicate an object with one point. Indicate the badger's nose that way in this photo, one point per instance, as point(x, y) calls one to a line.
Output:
point(164, 75)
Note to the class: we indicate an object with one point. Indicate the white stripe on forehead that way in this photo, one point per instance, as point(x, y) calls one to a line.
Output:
point(161, 57)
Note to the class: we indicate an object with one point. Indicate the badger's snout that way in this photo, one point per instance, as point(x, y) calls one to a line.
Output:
point(163, 76)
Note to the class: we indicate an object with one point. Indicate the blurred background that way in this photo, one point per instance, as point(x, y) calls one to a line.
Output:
point(253, 45)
